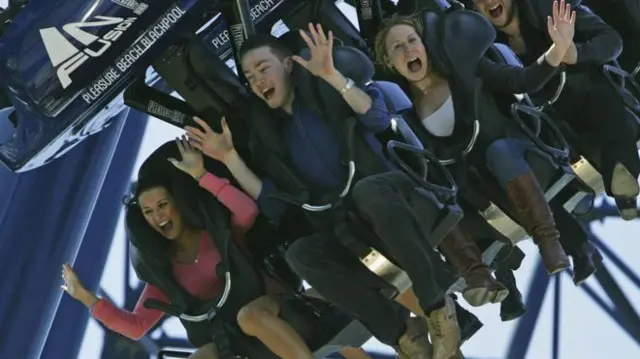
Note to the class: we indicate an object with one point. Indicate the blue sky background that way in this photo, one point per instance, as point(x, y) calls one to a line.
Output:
point(586, 331)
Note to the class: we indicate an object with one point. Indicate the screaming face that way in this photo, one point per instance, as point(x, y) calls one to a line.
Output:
point(499, 12)
point(268, 76)
point(406, 53)
point(160, 212)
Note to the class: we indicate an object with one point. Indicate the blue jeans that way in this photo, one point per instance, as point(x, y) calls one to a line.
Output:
point(505, 159)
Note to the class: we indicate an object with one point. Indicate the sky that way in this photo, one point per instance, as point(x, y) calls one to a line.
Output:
point(586, 331)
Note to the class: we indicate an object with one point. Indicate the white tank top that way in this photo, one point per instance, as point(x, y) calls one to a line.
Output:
point(442, 121)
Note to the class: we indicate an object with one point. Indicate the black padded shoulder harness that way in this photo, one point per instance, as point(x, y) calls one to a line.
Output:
point(456, 41)
point(152, 261)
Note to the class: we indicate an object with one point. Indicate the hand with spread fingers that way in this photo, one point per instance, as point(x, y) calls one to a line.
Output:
point(192, 162)
point(74, 287)
point(213, 144)
point(321, 46)
point(561, 25)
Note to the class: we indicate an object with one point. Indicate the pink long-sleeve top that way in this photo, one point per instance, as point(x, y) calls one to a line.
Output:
point(197, 279)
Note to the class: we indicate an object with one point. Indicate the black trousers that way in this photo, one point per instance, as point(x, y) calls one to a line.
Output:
point(383, 202)
point(572, 234)
point(607, 131)
point(336, 273)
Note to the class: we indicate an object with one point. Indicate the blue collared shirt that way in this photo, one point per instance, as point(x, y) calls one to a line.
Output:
point(316, 150)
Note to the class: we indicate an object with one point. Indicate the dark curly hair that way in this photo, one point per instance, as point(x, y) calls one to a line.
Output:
point(146, 183)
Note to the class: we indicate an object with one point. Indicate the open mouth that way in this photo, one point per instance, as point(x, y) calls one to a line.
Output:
point(166, 226)
point(268, 93)
point(415, 65)
point(496, 11)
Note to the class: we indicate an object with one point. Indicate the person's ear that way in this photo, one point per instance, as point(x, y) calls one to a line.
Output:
point(288, 64)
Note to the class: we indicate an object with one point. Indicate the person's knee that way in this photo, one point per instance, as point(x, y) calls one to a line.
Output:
point(301, 255)
point(497, 150)
point(252, 316)
point(364, 192)
point(369, 192)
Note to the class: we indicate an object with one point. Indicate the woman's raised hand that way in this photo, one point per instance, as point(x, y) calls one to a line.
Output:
point(561, 25)
point(192, 162)
point(73, 286)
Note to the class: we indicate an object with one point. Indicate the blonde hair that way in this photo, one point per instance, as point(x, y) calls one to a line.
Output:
point(380, 47)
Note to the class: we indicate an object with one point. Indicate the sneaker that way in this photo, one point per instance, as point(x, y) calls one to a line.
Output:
point(444, 330)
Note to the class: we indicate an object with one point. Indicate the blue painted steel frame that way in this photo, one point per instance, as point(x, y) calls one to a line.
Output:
point(622, 311)
point(44, 215)
point(94, 250)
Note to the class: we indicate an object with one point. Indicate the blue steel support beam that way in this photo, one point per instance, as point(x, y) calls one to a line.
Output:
point(65, 339)
point(557, 306)
point(630, 319)
point(524, 331)
point(46, 214)
point(611, 256)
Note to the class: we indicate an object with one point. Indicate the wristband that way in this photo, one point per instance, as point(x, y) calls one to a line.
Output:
point(198, 178)
point(348, 86)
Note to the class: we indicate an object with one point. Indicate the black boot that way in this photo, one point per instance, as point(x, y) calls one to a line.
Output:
point(586, 260)
point(625, 189)
point(469, 323)
point(512, 307)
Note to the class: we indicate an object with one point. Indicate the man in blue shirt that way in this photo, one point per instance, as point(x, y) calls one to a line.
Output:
point(314, 151)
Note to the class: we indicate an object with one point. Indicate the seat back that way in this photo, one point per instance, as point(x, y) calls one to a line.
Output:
point(326, 12)
point(198, 75)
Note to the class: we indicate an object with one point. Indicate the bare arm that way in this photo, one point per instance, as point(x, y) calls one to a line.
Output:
point(359, 100)
point(248, 180)
point(258, 188)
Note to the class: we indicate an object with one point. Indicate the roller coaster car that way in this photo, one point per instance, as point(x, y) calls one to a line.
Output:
point(399, 137)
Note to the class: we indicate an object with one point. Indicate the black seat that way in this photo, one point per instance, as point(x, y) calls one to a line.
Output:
point(326, 12)
point(316, 321)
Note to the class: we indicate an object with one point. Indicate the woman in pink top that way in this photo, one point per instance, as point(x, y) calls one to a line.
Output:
point(193, 255)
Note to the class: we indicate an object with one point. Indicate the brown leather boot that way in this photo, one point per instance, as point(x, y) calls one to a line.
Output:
point(528, 199)
point(463, 253)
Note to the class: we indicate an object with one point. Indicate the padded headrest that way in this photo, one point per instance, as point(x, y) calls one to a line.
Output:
point(351, 63)
point(456, 41)
point(395, 98)
point(503, 53)
point(294, 42)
